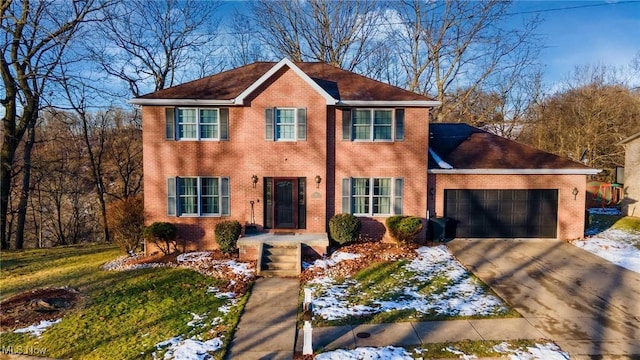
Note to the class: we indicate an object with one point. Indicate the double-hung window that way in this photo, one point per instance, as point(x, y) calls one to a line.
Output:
point(373, 124)
point(285, 124)
point(372, 196)
point(198, 196)
point(197, 124)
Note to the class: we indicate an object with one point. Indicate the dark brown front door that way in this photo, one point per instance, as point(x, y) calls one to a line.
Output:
point(286, 203)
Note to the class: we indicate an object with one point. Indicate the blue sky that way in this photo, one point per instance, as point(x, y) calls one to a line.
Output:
point(586, 32)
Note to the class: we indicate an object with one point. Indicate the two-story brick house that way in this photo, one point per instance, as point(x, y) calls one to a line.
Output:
point(284, 146)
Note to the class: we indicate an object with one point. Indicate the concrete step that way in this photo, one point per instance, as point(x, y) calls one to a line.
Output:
point(279, 266)
point(279, 273)
point(279, 260)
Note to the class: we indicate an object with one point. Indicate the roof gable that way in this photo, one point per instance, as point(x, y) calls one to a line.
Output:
point(336, 86)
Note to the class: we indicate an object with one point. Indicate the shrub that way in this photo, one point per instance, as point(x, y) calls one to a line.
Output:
point(163, 235)
point(125, 220)
point(227, 234)
point(344, 228)
point(404, 229)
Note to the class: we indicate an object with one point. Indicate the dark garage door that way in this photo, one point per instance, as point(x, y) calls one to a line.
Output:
point(502, 213)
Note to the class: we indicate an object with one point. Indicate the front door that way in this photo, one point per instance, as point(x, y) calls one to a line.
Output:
point(286, 203)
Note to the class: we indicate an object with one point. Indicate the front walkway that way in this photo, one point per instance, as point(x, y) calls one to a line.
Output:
point(267, 328)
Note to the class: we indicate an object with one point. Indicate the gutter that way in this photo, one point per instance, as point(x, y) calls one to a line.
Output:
point(515, 171)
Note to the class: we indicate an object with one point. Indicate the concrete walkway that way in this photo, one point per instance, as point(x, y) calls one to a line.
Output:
point(417, 333)
point(267, 328)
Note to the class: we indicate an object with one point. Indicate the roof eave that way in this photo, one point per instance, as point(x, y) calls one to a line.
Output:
point(515, 171)
point(629, 139)
point(181, 102)
point(390, 103)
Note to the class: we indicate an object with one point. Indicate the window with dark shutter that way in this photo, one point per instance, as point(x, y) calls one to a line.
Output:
point(346, 196)
point(399, 124)
point(171, 196)
point(302, 124)
point(346, 124)
point(170, 124)
point(268, 124)
point(224, 124)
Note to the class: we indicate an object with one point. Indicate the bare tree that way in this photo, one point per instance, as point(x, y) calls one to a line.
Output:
point(150, 44)
point(35, 38)
point(461, 47)
point(339, 32)
point(245, 48)
point(587, 120)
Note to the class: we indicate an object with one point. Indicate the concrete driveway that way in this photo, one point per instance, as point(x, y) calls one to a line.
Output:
point(588, 306)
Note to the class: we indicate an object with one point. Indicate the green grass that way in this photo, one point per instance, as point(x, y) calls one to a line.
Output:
point(479, 348)
point(386, 281)
point(125, 314)
point(628, 223)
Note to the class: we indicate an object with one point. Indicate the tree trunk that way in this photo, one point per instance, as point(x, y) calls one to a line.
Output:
point(24, 193)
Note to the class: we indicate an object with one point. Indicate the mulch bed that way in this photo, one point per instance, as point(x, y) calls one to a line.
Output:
point(31, 307)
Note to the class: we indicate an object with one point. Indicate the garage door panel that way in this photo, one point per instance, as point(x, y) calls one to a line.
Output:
point(503, 213)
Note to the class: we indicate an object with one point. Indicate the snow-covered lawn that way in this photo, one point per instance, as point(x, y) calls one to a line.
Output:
point(540, 351)
point(433, 284)
point(617, 246)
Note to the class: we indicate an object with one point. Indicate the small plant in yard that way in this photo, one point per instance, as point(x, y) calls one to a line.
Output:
point(404, 229)
point(163, 235)
point(125, 218)
point(227, 234)
point(344, 228)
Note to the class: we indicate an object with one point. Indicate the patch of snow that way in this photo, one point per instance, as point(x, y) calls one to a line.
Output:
point(443, 164)
point(37, 330)
point(194, 256)
point(462, 354)
point(121, 264)
point(616, 246)
point(188, 349)
point(463, 297)
point(334, 259)
point(605, 211)
point(369, 353)
point(547, 351)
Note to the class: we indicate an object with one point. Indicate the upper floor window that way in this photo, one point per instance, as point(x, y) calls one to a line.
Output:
point(285, 124)
point(373, 124)
point(197, 124)
point(198, 196)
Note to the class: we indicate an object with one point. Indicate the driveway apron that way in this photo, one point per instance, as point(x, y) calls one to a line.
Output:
point(588, 306)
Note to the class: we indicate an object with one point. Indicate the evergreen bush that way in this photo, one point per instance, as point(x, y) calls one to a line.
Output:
point(227, 235)
point(404, 229)
point(163, 235)
point(344, 228)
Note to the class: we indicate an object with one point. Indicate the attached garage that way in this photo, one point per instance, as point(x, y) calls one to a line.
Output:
point(492, 187)
point(502, 213)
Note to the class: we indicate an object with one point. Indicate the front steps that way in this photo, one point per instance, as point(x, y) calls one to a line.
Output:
point(280, 260)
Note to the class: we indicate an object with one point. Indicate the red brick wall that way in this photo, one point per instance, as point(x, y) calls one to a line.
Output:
point(571, 212)
point(245, 154)
point(406, 159)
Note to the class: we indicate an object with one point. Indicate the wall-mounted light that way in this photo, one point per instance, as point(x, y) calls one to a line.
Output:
point(318, 179)
point(575, 193)
point(254, 180)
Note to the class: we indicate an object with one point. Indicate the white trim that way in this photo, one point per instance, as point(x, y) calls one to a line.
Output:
point(285, 62)
point(515, 171)
point(389, 103)
point(181, 102)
